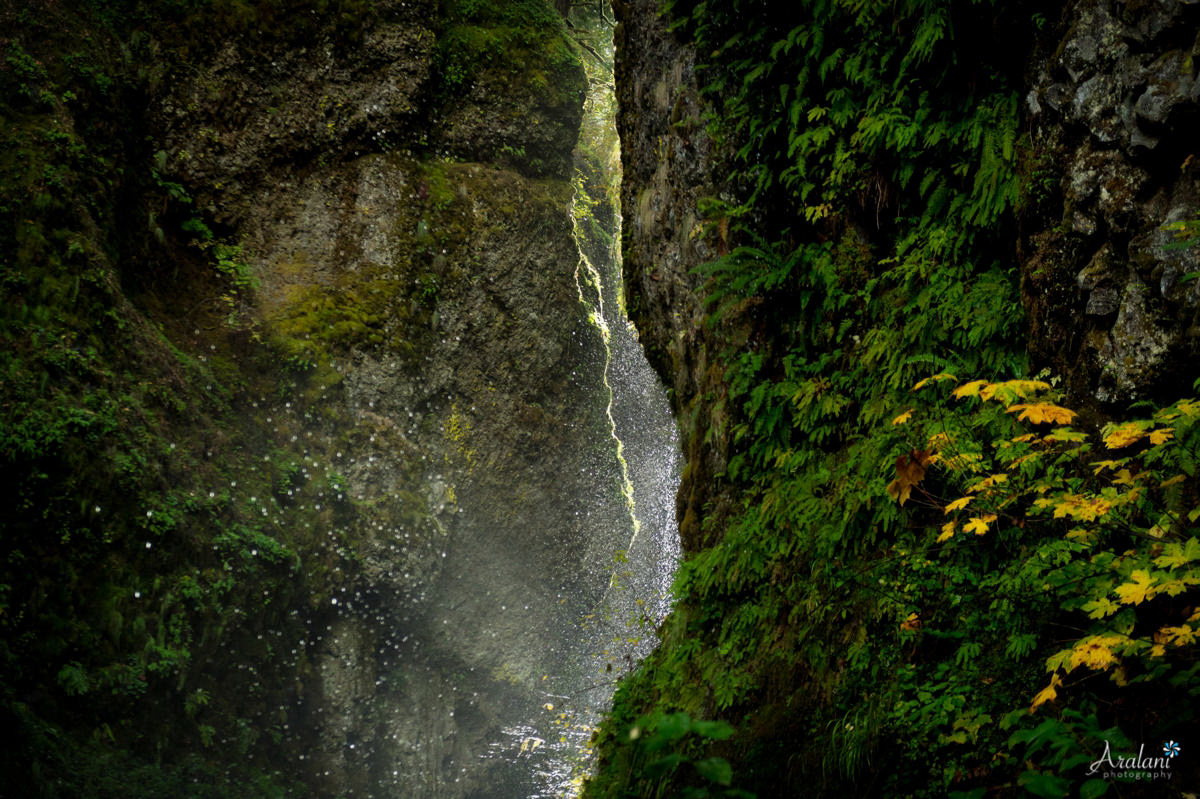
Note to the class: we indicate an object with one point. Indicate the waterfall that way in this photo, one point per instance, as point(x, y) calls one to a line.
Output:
point(618, 628)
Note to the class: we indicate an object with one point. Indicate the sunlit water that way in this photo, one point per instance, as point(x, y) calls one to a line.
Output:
point(614, 629)
point(610, 614)
point(617, 630)
point(491, 630)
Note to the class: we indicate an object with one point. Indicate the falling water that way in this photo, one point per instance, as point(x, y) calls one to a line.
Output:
point(513, 479)
point(618, 628)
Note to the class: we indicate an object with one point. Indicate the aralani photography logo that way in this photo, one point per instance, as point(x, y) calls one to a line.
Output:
point(1117, 766)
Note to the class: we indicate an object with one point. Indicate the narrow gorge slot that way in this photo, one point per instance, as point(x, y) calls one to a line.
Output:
point(351, 477)
point(337, 471)
point(637, 531)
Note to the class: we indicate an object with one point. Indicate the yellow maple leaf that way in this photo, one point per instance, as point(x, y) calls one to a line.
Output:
point(1095, 652)
point(911, 623)
point(1123, 435)
point(1047, 694)
point(968, 461)
point(969, 389)
point(1076, 506)
point(979, 524)
point(1190, 408)
point(1125, 478)
point(935, 379)
point(1176, 586)
point(1181, 635)
point(947, 532)
point(1179, 478)
point(989, 482)
point(1167, 414)
point(1066, 435)
point(1042, 413)
point(1138, 591)
point(1010, 390)
point(1161, 435)
point(904, 417)
point(1102, 465)
point(939, 440)
point(1031, 456)
point(958, 504)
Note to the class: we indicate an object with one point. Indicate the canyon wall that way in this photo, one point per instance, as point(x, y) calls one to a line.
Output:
point(766, 236)
point(306, 410)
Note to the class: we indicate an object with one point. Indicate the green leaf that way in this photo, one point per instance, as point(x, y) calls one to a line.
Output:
point(663, 766)
point(715, 769)
point(73, 679)
point(1093, 788)
point(1099, 608)
point(1045, 785)
point(674, 726)
point(713, 730)
point(1175, 555)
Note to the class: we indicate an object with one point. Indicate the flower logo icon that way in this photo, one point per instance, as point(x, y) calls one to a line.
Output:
point(1171, 749)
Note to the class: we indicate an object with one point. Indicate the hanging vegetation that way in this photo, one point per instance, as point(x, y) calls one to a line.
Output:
point(919, 593)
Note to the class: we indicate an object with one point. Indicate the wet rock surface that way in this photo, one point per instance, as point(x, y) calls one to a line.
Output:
point(667, 162)
point(416, 267)
point(238, 119)
point(483, 450)
point(1116, 102)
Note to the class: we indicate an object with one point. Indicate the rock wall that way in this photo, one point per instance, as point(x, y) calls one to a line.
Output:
point(1112, 108)
point(432, 305)
point(1113, 94)
point(667, 161)
point(360, 246)
point(1108, 195)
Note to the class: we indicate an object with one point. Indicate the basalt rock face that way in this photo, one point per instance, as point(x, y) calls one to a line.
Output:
point(485, 382)
point(1113, 108)
point(667, 163)
point(232, 121)
point(432, 305)
point(487, 379)
point(351, 282)
point(1112, 305)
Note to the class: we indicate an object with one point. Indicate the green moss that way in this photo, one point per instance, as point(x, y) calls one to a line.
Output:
point(314, 322)
point(146, 530)
point(166, 493)
point(441, 192)
point(518, 44)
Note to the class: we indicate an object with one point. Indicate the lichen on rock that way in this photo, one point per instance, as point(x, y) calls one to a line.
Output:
point(1115, 101)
